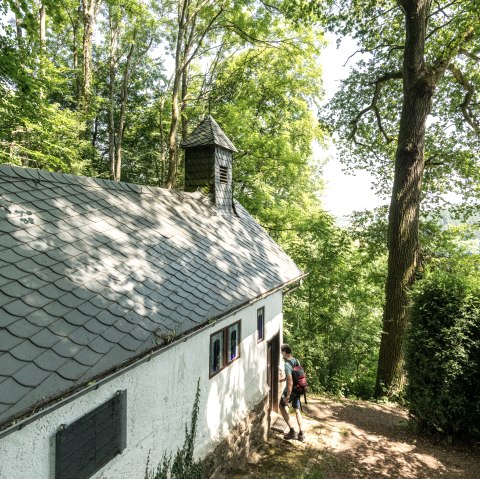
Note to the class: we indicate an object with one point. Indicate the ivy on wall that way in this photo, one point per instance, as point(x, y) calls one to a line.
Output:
point(182, 465)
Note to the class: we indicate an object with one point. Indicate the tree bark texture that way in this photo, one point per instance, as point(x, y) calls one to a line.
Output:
point(403, 247)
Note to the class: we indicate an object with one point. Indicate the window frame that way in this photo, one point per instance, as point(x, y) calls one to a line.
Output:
point(222, 353)
point(261, 339)
point(239, 338)
point(225, 351)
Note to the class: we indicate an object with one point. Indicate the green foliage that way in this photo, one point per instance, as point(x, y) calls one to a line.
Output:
point(182, 465)
point(258, 73)
point(334, 320)
point(37, 128)
point(443, 349)
point(365, 112)
point(48, 140)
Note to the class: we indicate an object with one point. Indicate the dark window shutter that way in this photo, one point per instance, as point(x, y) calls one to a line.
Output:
point(89, 443)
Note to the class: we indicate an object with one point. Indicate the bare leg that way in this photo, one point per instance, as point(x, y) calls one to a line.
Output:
point(298, 415)
point(285, 414)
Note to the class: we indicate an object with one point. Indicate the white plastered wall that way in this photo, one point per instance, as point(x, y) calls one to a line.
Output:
point(160, 395)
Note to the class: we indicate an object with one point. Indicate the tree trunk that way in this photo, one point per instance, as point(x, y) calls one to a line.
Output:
point(89, 13)
point(96, 122)
point(43, 37)
point(123, 109)
point(161, 172)
point(18, 25)
point(189, 40)
point(403, 248)
point(184, 104)
point(76, 69)
point(111, 93)
point(43, 18)
point(177, 80)
point(19, 132)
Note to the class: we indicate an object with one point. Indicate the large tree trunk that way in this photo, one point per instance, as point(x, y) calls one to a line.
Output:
point(403, 248)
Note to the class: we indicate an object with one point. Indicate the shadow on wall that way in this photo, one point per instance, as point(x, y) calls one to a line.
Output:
point(237, 389)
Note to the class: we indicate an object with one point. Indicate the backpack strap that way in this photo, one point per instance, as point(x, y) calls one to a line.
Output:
point(293, 365)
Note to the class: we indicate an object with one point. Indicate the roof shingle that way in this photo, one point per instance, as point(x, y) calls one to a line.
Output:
point(101, 271)
point(208, 133)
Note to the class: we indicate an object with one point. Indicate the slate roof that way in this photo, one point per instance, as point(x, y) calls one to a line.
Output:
point(208, 133)
point(94, 273)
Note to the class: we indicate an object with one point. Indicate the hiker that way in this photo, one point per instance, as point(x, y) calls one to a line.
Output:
point(289, 396)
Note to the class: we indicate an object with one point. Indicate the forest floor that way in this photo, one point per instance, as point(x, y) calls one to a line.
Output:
point(361, 440)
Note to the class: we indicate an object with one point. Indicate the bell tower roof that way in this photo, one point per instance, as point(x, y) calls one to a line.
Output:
point(208, 132)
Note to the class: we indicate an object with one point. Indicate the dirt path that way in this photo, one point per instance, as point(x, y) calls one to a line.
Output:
point(360, 440)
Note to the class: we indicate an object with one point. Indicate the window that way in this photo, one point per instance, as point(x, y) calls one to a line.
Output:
point(89, 443)
point(216, 352)
point(260, 324)
point(223, 174)
point(233, 347)
point(224, 347)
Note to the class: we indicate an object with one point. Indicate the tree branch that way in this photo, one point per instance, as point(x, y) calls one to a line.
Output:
point(435, 30)
point(202, 36)
point(441, 9)
point(256, 41)
point(469, 95)
point(430, 161)
point(373, 106)
point(378, 47)
point(468, 54)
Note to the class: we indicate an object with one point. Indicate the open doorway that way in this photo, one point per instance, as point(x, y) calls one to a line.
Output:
point(273, 362)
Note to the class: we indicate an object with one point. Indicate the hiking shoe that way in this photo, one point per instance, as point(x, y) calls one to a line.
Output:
point(301, 436)
point(290, 435)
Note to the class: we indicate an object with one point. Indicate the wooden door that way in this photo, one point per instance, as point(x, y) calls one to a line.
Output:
point(273, 362)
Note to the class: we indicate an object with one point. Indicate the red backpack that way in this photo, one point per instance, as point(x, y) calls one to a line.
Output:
point(299, 379)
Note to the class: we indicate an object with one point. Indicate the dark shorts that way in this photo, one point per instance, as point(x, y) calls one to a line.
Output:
point(294, 401)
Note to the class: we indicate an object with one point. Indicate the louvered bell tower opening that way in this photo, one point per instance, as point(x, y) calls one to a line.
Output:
point(223, 174)
point(209, 162)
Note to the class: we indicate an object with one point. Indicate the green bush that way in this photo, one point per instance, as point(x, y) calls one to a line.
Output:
point(443, 352)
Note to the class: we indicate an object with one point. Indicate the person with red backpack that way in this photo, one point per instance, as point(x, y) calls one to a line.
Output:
point(295, 387)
